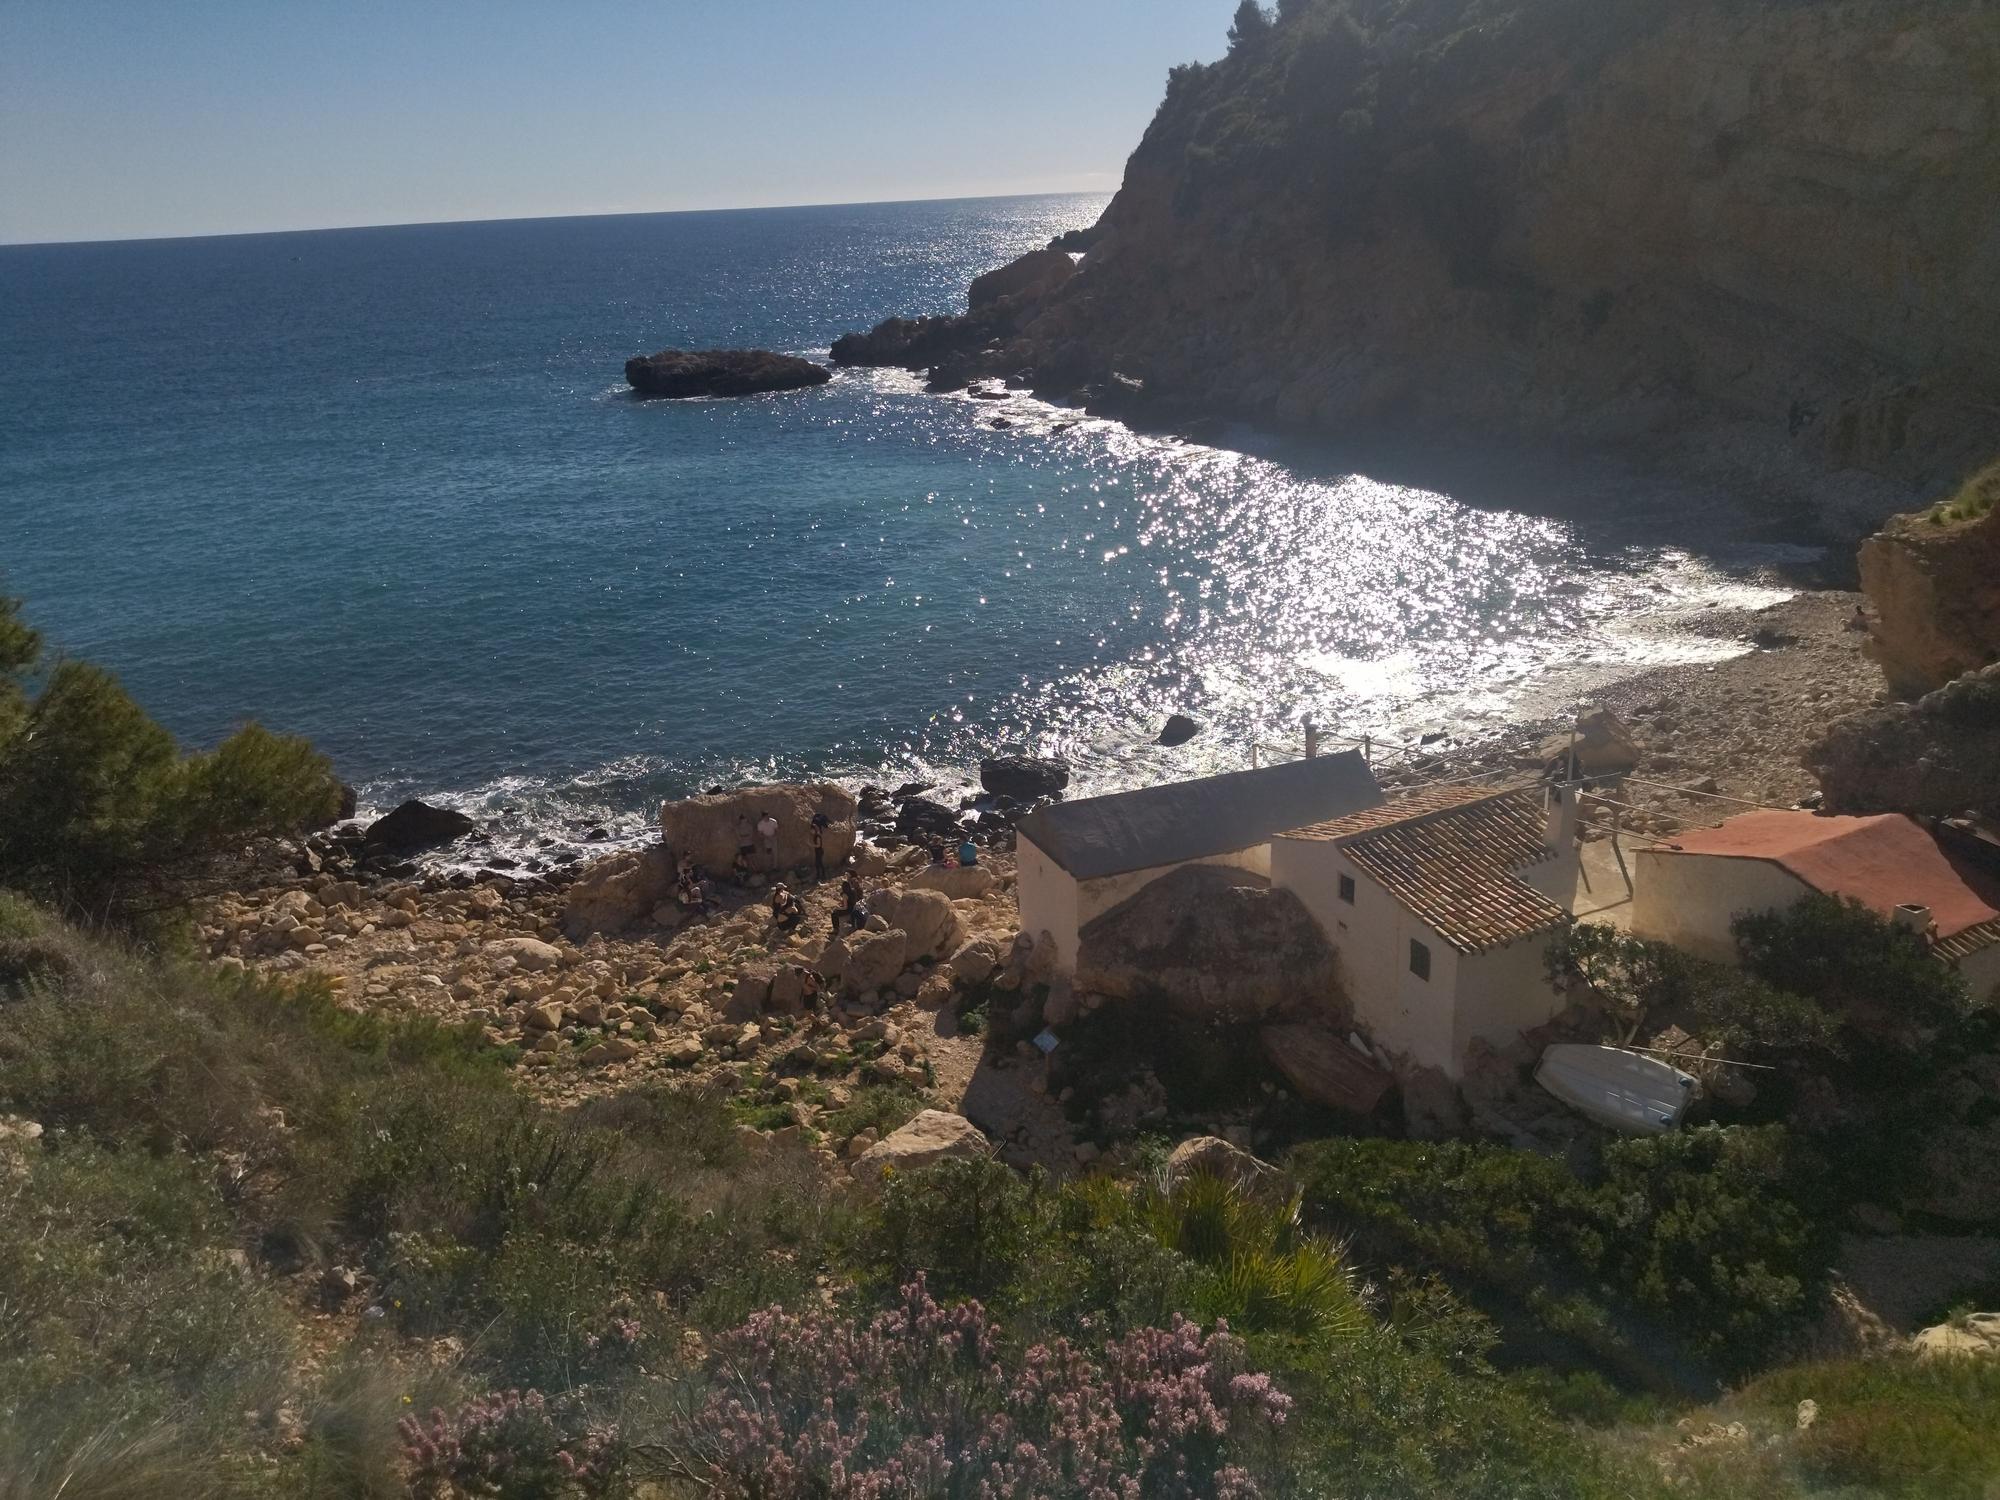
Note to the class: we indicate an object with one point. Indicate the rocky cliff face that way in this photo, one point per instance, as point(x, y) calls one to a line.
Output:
point(1570, 218)
point(1934, 581)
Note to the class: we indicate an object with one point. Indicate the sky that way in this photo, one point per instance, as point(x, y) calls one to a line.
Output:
point(138, 118)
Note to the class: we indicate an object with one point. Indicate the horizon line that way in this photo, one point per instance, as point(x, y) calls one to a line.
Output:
point(639, 213)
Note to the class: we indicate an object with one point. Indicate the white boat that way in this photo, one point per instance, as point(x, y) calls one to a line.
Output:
point(1626, 1090)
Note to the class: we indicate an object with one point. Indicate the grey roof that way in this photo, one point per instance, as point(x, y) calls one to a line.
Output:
point(1177, 821)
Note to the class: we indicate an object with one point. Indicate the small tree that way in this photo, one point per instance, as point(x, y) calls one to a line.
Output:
point(1860, 968)
point(1252, 24)
point(101, 814)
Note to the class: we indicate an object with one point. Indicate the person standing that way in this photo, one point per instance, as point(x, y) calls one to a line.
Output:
point(820, 824)
point(767, 830)
point(746, 841)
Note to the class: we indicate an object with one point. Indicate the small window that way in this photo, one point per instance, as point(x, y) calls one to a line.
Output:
point(1420, 959)
point(1347, 889)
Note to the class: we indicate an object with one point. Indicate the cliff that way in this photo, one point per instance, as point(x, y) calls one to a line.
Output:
point(1933, 580)
point(1568, 219)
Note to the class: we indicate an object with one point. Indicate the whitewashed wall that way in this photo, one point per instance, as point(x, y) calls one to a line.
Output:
point(1689, 900)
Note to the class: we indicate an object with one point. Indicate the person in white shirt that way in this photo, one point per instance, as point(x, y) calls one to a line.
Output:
point(767, 831)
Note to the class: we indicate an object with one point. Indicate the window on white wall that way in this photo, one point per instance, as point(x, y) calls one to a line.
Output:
point(1347, 889)
point(1420, 959)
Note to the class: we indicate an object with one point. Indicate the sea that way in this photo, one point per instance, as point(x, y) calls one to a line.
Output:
point(386, 488)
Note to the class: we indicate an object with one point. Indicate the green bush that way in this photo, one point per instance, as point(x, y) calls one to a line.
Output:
point(100, 812)
point(1709, 1236)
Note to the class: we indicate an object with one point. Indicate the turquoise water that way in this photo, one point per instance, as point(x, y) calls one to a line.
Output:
point(385, 488)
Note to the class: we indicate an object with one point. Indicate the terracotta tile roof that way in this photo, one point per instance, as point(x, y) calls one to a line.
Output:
point(1968, 941)
point(1449, 854)
point(1882, 861)
point(1399, 810)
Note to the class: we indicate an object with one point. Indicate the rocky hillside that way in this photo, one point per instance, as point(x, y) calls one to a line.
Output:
point(1764, 221)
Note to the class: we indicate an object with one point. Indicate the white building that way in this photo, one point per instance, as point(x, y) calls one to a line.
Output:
point(1688, 892)
point(1077, 859)
point(1441, 905)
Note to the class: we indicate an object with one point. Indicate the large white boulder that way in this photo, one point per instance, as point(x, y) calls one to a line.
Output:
point(706, 827)
point(932, 1136)
point(960, 882)
point(530, 954)
point(614, 893)
point(866, 960)
point(927, 916)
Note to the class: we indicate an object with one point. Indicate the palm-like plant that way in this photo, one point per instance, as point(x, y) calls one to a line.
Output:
point(1264, 1271)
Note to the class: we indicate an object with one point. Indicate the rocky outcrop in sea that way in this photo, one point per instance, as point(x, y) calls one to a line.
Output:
point(721, 372)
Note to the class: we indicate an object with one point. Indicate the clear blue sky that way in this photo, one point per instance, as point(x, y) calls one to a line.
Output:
point(122, 118)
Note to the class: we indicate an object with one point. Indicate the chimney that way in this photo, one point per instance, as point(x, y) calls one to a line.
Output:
point(1912, 917)
point(1312, 740)
point(1560, 830)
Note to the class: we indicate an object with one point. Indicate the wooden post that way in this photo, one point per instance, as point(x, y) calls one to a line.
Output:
point(1368, 750)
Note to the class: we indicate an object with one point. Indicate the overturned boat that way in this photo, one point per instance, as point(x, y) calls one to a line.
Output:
point(1627, 1091)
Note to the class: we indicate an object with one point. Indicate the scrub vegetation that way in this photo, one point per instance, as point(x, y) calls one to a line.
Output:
point(254, 1242)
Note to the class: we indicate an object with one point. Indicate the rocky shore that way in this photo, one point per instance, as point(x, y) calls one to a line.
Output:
point(595, 980)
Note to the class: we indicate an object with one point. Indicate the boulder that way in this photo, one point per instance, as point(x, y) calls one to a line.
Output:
point(1178, 730)
point(1211, 1156)
point(959, 882)
point(610, 1050)
point(932, 1136)
point(614, 894)
point(546, 1016)
point(530, 954)
point(1603, 746)
point(414, 827)
point(872, 960)
point(721, 372)
point(1938, 756)
point(1214, 944)
point(746, 1001)
point(928, 917)
point(788, 990)
point(975, 962)
point(1976, 1336)
point(1029, 276)
point(705, 826)
point(1024, 776)
point(919, 817)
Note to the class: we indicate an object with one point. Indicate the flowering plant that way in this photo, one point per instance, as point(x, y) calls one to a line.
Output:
point(515, 1444)
point(921, 1402)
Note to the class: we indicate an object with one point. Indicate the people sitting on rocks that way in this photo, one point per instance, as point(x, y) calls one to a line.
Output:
point(786, 909)
point(936, 845)
point(809, 991)
point(739, 867)
point(968, 853)
point(767, 833)
point(691, 895)
point(852, 907)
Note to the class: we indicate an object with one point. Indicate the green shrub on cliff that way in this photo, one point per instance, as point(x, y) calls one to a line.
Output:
point(100, 812)
point(1973, 500)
